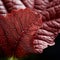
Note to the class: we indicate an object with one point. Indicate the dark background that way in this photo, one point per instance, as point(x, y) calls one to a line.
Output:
point(52, 52)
